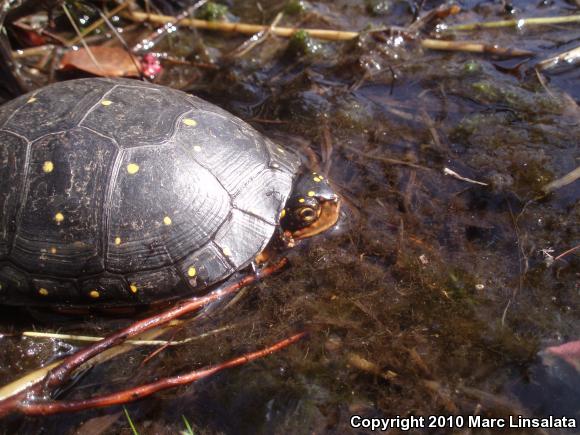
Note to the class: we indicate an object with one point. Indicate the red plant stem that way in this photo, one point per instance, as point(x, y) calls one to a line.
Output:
point(136, 393)
point(62, 372)
point(563, 254)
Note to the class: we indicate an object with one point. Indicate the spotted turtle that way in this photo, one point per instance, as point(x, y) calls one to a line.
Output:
point(119, 192)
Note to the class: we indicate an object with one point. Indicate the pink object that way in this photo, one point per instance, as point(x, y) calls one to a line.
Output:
point(569, 352)
point(150, 65)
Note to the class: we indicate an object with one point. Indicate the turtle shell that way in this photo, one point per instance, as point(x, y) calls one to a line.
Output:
point(119, 192)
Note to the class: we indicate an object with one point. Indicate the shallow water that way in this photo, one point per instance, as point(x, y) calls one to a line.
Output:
point(433, 296)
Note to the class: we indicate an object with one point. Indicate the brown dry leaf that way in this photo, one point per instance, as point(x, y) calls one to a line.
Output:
point(98, 425)
point(112, 62)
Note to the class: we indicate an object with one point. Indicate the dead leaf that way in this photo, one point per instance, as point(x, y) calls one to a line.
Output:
point(110, 62)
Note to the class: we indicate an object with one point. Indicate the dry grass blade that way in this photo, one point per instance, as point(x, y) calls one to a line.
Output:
point(92, 339)
point(97, 24)
point(473, 47)
point(248, 29)
point(516, 23)
point(569, 178)
point(30, 379)
point(32, 51)
point(82, 39)
point(569, 57)
point(256, 39)
point(452, 173)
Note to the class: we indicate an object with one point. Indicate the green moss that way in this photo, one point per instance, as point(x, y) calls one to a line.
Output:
point(212, 11)
point(296, 7)
point(352, 114)
point(301, 44)
point(485, 90)
point(472, 67)
point(515, 97)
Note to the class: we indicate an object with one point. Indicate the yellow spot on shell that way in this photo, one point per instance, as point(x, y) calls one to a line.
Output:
point(94, 294)
point(43, 292)
point(311, 193)
point(59, 217)
point(301, 200)
point(190, 122)
point(117, 240)
point(281, 150)
point(191, 272)
point(31, 100)
point(132, 168)
point(167, 220)
point(106, 102)
point(317, 179)
point(321, 177)
point(48, 166)
point(227, 252)
point(282, 213)
point(133, 287)
point(196, 148)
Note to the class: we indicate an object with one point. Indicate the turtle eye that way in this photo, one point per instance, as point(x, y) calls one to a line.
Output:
point(307, 214)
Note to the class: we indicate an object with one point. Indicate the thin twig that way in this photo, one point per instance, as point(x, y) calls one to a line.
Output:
point(383, 159)
point(542, 81)
point(96, 24)
point(521, 260)
point(452, 173)
point(168, 26)
point(256, 39)
point(138, 67)
point(82, 39)
point(32, 51)
point(438, 13)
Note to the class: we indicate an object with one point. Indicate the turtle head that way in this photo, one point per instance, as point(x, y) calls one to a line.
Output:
point(312, 208)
